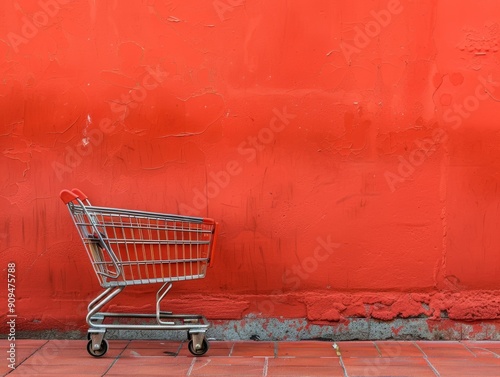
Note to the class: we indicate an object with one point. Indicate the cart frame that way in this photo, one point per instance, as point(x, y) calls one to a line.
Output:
point(130, 247)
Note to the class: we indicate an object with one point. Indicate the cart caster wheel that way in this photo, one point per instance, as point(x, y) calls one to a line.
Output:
point(198, 352)
point(100, 352)
point(189, 335)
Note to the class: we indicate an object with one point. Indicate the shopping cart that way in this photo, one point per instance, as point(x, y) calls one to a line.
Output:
point(133, 247)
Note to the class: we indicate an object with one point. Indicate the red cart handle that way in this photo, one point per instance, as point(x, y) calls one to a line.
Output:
point(77, 197)
point(68, 196)
point(80, 194)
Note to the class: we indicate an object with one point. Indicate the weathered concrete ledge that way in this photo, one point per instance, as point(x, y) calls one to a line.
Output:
point(302, 329)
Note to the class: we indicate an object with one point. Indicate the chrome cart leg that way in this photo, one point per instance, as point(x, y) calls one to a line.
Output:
point(96, 319)
point(160, 295)
point(97, 345)
point(93, 317)
point(198, 344)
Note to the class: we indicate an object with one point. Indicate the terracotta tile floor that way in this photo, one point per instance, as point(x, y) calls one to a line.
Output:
point(249, 358)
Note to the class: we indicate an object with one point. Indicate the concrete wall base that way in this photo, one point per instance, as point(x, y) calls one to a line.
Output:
point(301, 329)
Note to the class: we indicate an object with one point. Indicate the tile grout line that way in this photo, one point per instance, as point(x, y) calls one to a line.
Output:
point(275, 350)
point(231, 350)
point(432, 367)
point(468, 349)
point(116, 359)
point(495, 355)
point(341, 362)
point(22, 362)
point(426, 358)
point(188, 373)
point(266, 365)
point(421, 350)
point(378, 349)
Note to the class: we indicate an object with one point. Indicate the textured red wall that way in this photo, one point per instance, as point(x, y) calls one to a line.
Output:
point(349, 150)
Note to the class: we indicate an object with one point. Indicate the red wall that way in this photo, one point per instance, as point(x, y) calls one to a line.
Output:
point(348, 149)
